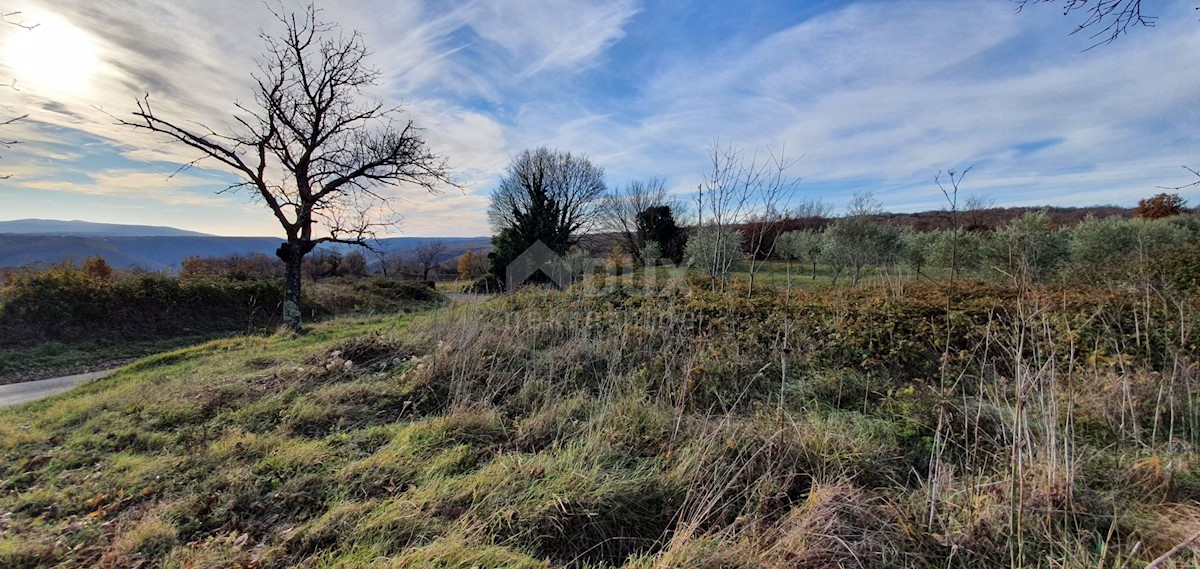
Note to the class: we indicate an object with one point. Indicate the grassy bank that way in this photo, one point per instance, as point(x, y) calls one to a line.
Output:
point(910, 425)
point(61, 320)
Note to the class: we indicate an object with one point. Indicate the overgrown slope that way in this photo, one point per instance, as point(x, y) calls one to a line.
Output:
point(906, 426)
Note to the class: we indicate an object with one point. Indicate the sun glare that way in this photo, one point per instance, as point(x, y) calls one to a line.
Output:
point(54, 56)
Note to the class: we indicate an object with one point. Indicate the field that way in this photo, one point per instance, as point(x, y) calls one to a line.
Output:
point(904, 424)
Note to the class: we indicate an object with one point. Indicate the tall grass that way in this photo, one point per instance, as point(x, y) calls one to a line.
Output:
point(620, 426)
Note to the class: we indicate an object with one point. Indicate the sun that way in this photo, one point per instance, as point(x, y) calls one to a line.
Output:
point(54, 56)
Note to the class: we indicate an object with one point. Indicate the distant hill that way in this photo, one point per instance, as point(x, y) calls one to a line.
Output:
point(89, 229)
point(151, 253)
point(166, 253)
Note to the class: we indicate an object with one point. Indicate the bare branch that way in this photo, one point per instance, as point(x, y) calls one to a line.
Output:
point(310, 146)
point(1185, 186)
point(1111, 18)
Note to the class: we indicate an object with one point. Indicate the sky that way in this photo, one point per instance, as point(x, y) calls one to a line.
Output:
point(875, 96)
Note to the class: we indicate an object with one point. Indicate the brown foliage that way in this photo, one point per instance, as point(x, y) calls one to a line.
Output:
point(1160, 206)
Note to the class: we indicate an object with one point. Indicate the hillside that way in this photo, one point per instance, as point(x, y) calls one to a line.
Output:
point(159, 253)
point(893, 426)
point(89, 229)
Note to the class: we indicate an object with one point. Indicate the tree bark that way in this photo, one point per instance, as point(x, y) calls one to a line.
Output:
point(292, 254)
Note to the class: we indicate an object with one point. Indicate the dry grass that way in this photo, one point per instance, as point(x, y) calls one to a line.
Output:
point(610, 427)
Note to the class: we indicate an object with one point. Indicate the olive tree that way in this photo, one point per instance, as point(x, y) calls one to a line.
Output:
point(858, 240)
point(802, 245)
point(311, 147)
point(915, 248)
point(1029, 248)
point(956, 250)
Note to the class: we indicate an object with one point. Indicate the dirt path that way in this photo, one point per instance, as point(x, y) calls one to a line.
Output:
point(18, 393)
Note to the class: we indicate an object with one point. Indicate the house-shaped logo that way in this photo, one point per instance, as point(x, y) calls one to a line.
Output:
point(538, 258)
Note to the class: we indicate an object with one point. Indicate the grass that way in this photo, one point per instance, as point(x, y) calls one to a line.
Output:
point(619, 427)
point(109, 338)
point(57, 358)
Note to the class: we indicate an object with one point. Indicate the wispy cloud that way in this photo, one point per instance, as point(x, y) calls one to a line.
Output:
point(876, 95)
point(567, 36)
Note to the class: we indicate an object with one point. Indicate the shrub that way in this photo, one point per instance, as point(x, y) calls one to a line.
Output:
point(72, 305)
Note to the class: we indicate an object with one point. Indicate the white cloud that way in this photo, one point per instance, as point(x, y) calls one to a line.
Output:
point(567, 36)
point(177, 189)
point(900, 90)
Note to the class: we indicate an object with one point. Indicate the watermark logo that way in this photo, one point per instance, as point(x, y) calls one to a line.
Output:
point(539, 263)
point(538, 258)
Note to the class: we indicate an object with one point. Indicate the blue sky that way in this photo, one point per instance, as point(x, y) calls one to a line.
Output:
point(877, 95)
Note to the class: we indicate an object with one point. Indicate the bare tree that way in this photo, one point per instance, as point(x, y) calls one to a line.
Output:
point(311, 147)
point(951, 195)
point(548, 195)
point(974, 208)
point(427, 254)
point(742, 188)
point(811, 209)
point(1111, 18)
point(622, 207)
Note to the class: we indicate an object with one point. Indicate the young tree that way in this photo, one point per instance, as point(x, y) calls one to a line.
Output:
point(743, 187)
point(915, 248)
point(311, 147)
point(809, 242)
point(546, 195)
point(950, 192)
point(960, 249)
point(716, 251)
point(427, 254)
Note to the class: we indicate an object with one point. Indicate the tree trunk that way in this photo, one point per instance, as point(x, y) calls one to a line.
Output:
point(292, 254)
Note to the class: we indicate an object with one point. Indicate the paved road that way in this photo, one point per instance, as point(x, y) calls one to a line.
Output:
point(18, 393)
